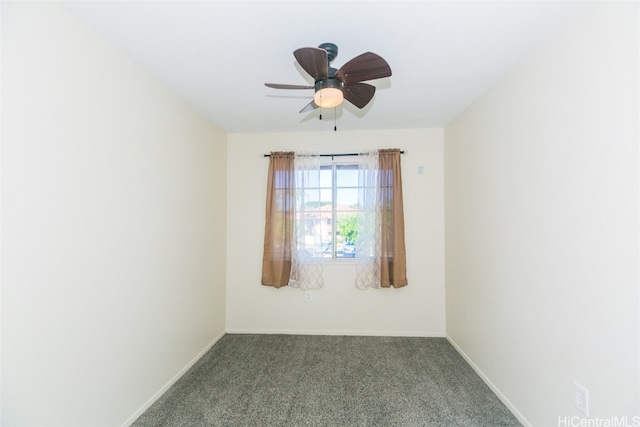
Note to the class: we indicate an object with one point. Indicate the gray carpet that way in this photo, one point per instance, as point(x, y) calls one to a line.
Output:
point(303, 380)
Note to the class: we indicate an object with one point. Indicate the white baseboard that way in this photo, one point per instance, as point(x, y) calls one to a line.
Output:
point(172, 381)
point(492, 386)
point(334, 332)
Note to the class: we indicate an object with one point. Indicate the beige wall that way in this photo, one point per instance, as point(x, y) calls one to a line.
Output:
point(541, 184)
point(338, 308)
point(113, 254)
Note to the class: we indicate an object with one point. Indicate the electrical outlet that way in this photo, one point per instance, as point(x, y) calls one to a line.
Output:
point(581, 398)
point(308, 296)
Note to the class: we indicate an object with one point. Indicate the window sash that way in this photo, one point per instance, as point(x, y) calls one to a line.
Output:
point(326, 201)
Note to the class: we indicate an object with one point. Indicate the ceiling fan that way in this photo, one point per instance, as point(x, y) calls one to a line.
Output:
point(333, 86)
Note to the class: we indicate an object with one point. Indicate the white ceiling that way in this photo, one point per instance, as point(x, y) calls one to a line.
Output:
point(219, 54)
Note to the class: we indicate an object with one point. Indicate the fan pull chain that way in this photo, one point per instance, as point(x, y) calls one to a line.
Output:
point(335, 127)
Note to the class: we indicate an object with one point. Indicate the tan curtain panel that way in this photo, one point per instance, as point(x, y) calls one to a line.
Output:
point(279, 238)
point(393, 257)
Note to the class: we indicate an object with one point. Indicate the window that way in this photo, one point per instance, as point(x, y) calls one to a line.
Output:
point(315, 211)
point(329, 209)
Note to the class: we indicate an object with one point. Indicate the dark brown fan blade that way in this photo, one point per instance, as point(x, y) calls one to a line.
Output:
point(367, 66)
point(309, 107)
point(314, 61)
point(359, 94)
point(281, 86)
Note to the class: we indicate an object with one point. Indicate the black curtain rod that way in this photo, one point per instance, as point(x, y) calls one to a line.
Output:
point(335, 155)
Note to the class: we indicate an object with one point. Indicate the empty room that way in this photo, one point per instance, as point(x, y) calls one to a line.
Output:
point(320, 213)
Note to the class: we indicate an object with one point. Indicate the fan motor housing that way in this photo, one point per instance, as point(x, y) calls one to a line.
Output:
point(328, 83)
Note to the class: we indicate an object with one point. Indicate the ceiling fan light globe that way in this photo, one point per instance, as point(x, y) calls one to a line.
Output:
point(329, 97)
